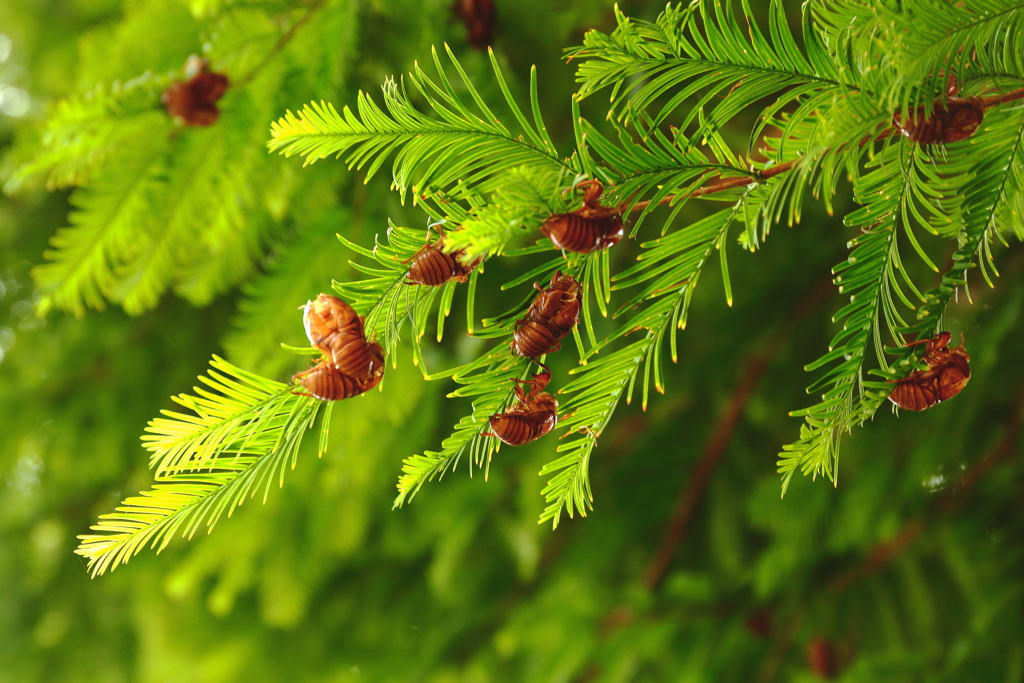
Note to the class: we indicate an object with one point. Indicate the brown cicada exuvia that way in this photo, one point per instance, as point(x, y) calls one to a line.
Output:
point(551, 316)
point(588, 228)
point(952, 121)
point(350, 365)
point(947, 374)
point(433, 267)
point(194, 102)
point(533, 414)
point(479, 18)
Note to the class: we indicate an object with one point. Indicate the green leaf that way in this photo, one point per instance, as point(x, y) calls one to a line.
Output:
point(242, 431)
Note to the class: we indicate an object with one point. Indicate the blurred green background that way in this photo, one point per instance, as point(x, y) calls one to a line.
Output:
point(691, 567)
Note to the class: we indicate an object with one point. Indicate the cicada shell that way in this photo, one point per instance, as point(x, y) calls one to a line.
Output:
point(947, 374)
point(333, 327)
point(479, 18)
point(351, 364)
point(433, 267)
point(327, 383)
point(328, 317)
point(533, 415)
point(956, 120)
point(551, 316)
point(587, 229)
point(193, 102)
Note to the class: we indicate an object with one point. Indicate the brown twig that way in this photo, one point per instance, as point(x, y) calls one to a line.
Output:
point(716, 446)
point(717, 443)
point(884, 552)
point(1011, 96)
point(761, 176)
point(285, 38)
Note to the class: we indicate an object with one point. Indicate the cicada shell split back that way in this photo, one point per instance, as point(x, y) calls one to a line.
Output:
point(551, 316)
point(534, 413)
point(587, 229)
point(947, 374)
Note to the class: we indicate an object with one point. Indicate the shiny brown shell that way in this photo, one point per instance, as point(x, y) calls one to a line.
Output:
point(327, 383)
point(327, 317)
point(587, 229)
point(947, 374)
point(333, 327)
point(534, 414)
point(957, 120)
point(432, 267)
point(479, 18)
point(350, 365)
point(193, 102)
point(551, 316)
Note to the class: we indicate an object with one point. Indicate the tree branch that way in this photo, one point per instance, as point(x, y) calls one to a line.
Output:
point(717, 443)
point(766, 174)
point(285, 38)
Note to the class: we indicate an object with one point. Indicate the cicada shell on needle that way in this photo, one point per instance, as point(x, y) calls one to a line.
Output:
point(351, 364)
point(551, 316)
point(533, 414)
point(433, 267)
point(947, 374)
point(588, 228)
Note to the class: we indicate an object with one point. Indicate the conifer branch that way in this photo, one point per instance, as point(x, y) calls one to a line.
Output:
point(285, 38)
point(668, 272)
point(841, 408)
point(243, 432)
point(763, 175)
point(459, 152)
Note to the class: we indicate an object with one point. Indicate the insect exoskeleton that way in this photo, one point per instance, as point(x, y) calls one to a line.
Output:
point(551, 316)
point(947, 374)
point(325, 382)
point(956, 120)
point(588, 228)
point(333, 327)
point(350, 365)
point(193, 102)
point(533, 414)
point(433, 267)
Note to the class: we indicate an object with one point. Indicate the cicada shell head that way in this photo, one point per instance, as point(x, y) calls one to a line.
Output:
point(327, 315)
point(565, 283)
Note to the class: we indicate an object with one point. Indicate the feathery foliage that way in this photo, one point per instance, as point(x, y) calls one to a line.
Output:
point(464, 149)
point(243, 432)
point(723, 120)
point(817, 110)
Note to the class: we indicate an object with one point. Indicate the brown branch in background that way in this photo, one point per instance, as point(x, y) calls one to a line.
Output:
point(886, 551)
point(766, 174)
point(285, 38)
point(699, 479)
point(716, 446)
